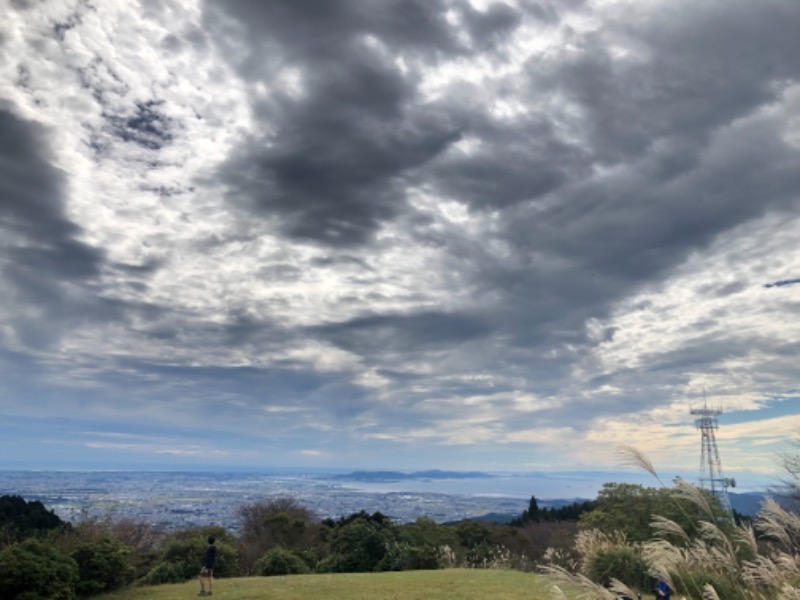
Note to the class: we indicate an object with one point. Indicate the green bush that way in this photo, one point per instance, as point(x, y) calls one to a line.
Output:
point(187, 556)
point(620, 563)
point(471, 534)
point(405, 557)
point(330, 564)
point(427, 532)
point(359, 547)
point(480, 555)
point(163, 573)
point(103, 566)
point(280, 561)
point(32, 570)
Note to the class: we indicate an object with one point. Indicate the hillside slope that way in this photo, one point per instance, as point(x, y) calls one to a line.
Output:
point(451, 584)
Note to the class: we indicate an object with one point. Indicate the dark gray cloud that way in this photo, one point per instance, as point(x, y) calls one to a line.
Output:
point(341, 152)
point(335, 174)
point(39, 237)
point(669, 115)
point(518, 160)
point(698, 161)
point(43, 259)
point(782, 283)
point(492, 26)
point(312, 32)
point(686, 178)
point(416, 333)
point(689, 71)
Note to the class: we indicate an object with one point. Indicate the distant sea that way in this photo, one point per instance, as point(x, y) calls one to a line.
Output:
point(547, 486)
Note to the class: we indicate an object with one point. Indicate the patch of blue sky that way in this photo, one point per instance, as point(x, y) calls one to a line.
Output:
point(773, 408)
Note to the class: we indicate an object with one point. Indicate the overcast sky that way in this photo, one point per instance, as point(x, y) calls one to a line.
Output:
point(398, 233)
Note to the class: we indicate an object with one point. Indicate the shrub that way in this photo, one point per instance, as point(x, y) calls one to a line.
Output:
point(471, 534)
point(622, 563)
point(280, 561)
point(480, 556)
point(187, 556)
point(32, 570)
point(427, 532)
point(330, 564)
point(142, 539)
point(360, 546)
point(405, 557)
point(102, 566)
point(163, 573)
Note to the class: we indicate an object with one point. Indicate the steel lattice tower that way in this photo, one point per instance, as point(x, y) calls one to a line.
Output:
point(711, 477)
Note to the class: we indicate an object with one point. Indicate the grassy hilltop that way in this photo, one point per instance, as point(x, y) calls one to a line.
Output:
point(449, 584)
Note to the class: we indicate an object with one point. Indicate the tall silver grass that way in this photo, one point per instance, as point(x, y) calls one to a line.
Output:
point(769, 570)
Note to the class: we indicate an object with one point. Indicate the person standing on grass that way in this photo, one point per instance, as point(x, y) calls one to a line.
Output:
point(663, 591)
point(207, 572)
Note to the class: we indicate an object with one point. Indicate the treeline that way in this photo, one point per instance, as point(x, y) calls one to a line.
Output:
point(568, 512)
point(42, 556)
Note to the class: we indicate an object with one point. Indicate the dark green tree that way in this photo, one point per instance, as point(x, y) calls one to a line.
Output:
point(630, 509)
point(570, 512)
point(103, 566)
point(22, 518)
point(533, 510)
point(360, 543)
point(536, 514)
point(623, 507)
point(472, 534)
point(32, 570)
point(360, 546)
point(422, 543)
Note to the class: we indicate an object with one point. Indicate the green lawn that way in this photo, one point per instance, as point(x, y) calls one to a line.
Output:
point(451, 584)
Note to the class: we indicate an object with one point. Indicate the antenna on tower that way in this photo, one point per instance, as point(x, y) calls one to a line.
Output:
point(711, 476)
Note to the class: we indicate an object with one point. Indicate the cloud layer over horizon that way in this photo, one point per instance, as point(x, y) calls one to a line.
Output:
point(406, 233)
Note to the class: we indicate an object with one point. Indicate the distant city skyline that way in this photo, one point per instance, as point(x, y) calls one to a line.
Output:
point(407, 234)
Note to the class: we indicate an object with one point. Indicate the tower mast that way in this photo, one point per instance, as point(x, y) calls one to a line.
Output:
point(711, 476)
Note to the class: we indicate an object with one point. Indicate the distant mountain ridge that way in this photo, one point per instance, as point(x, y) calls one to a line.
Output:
point(748, 503)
